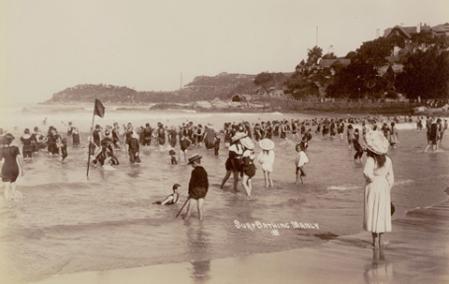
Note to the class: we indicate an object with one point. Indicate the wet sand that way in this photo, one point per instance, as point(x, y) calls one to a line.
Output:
point(417, 251)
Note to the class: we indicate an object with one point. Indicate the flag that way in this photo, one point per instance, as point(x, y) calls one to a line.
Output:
point(99, 108)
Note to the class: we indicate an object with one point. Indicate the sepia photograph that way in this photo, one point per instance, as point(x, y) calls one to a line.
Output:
point(213, 141)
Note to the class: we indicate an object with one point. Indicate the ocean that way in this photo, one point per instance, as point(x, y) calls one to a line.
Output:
point(67, 223)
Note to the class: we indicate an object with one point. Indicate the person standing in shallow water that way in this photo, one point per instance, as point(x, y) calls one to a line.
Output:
point(234, 162)
point(266, 160)
point(378, 172)
point(248, 170)
point(12, 166)
point(133, 148)
point(198, 186)
point(27, 141)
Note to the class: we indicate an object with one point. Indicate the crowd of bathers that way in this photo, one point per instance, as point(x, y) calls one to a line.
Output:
point(105, 141)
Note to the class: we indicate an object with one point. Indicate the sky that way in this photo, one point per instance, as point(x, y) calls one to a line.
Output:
point(49, 45)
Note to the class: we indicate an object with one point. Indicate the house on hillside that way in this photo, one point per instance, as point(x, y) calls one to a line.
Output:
point(242, 98)
point(270, 92)
point(405, 32)
point(441, 30)
point(333, 63)
point(391, 67)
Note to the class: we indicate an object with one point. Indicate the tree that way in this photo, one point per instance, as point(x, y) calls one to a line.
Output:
point(355, 81)
point(424, 37)
point(351, 55)
point(426, 74)
point(299, 86)
point(301, 66)
point(313, 55)
point(264, 80)
point(375, 52)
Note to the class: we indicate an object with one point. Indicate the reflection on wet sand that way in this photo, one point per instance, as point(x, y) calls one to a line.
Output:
point(379, 270)
point(198, 242)
point(200, 271)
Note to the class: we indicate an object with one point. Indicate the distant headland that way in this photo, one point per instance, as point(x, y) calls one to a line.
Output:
point(389, 74)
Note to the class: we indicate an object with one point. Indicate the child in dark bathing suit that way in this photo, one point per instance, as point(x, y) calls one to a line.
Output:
point(75, 137)
point(172, 155)
point(248, 170)
point(216, 144)
point(357, 147)
point(172, 198)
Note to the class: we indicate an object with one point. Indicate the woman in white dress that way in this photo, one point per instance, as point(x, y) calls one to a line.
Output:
point(266, 159)
point(379, 176)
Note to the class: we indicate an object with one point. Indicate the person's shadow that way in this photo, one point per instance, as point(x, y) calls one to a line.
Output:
point(379, 270)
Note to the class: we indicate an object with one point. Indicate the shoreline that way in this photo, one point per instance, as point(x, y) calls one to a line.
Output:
point(269, 105)
point(347, 259)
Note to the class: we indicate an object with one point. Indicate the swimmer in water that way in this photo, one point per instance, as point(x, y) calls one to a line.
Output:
point(172, 198)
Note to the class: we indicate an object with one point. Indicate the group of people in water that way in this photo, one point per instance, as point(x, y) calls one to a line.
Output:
point(370, 135)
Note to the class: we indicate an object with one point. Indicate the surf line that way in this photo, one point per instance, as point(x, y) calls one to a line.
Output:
point(257, 225)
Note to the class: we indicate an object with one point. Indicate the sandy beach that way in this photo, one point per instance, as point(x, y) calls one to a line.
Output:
point(416, 252)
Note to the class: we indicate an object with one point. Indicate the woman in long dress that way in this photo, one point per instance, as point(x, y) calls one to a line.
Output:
point(379, 176)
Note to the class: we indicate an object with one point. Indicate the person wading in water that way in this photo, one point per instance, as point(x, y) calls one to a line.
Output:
point(198, 186)
point(234, 162)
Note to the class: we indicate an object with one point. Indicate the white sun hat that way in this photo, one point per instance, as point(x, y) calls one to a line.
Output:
point(266, 144)
point(376, 142)
point(247, 143)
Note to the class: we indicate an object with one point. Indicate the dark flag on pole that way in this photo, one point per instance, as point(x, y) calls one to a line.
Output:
point(99, 108)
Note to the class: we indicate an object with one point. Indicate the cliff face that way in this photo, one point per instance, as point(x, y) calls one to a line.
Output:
point(222, 86)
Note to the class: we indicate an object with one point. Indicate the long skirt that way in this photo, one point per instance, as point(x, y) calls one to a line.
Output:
point(377, 206)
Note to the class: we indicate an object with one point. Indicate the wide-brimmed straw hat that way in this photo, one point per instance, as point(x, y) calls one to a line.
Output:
point(376, 142)
point(266, 144)
point(238, 136)
point(194, 158)
point(247, 143)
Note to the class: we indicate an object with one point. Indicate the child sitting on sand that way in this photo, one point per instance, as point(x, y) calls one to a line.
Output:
point(301, 160)
point(172, 198)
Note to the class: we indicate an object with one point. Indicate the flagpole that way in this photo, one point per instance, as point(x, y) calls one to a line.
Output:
point(90, 138)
